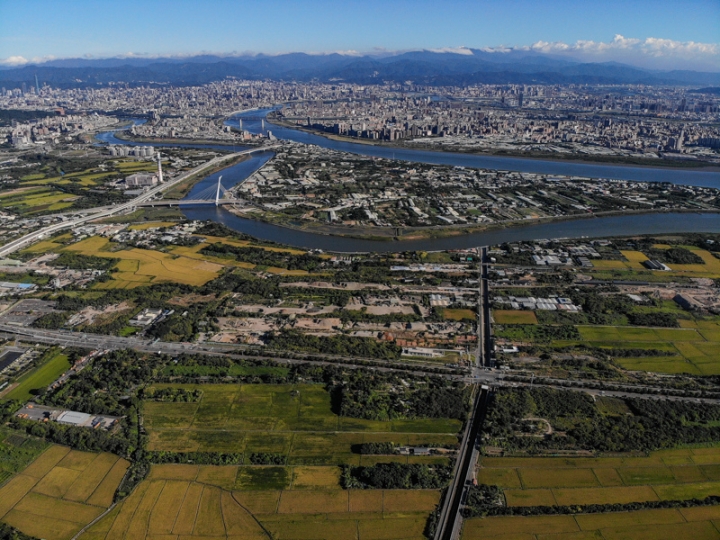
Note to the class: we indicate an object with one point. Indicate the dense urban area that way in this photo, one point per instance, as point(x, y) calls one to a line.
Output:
point(167, 376)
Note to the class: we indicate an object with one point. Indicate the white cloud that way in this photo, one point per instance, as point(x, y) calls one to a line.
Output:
point(14, 61)
point(453, 50)
point(17, 61)
point(655, 52)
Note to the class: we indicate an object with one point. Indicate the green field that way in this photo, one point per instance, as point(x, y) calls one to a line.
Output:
point(40, 377)
point(16, 452)
point(694, 346)
point(293, 420)
point(662, 524)
point(664, 475)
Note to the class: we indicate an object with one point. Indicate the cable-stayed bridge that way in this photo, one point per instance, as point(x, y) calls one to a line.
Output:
point(212, 195)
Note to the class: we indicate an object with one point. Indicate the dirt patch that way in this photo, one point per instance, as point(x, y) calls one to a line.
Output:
point(191, 299)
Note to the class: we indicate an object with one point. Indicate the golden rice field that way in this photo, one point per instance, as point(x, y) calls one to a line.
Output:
point(634, 261)
point(143, 266)
point(193, 502)
point(664, 475)
point(61, 492)
point(662, 524)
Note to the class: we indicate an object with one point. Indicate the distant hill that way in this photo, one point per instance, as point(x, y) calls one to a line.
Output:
point(420, 67)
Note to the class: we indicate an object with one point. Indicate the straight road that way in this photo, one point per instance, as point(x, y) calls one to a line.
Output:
point(450, 521)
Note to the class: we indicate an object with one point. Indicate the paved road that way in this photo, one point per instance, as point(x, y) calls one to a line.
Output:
point(100, 341)
point(489, 377)
point(450, 521)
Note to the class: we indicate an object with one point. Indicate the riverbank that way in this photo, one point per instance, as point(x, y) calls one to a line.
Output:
point(183, 188)
point(126, 136)
point(620, 161)
point(411, 234)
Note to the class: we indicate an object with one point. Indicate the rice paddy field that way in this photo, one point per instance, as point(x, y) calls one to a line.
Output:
point(634, 262)
point(692, 348)
point(61, 492)
point(295, 421)
point(197, 502)
point(664, 475)
point(676, 474)
point(144, 266)
point(662, 524)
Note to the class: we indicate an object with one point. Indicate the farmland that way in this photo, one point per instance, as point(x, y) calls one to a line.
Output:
point(295, 421)
point(196, 501)
point(41, 193)
point(661, 524)
point(514, 317)
point(60, 492)
point(16, 452)
point(686, 338)
point(664, 475)
point(142, 266)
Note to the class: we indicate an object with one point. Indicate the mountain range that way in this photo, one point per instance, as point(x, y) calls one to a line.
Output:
point(470, 66)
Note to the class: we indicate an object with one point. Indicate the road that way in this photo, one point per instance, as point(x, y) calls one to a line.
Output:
point(105, 211)
point(450, 521)
point(488, 377)
point(104, 342)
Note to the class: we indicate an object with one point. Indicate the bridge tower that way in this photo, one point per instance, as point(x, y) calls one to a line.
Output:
point(160, 176)
point(217, 194)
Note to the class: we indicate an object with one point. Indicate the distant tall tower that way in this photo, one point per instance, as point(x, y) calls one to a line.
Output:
point(160, 177)
point(37, 84)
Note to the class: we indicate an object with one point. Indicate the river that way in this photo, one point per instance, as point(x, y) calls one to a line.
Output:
point(589, 227)
point(252, 121)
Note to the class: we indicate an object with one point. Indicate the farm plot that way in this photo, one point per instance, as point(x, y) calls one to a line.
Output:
point(295, 421)
point(663, 524)
point(664, 475)
point(61, 492)
point(509, 316)
point(186, 501)
point(694, 346)
point(143, 266)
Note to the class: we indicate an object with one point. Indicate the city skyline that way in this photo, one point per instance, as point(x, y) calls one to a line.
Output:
point(657, 35)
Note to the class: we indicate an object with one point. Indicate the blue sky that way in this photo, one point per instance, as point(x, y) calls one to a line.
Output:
point(656, 32)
